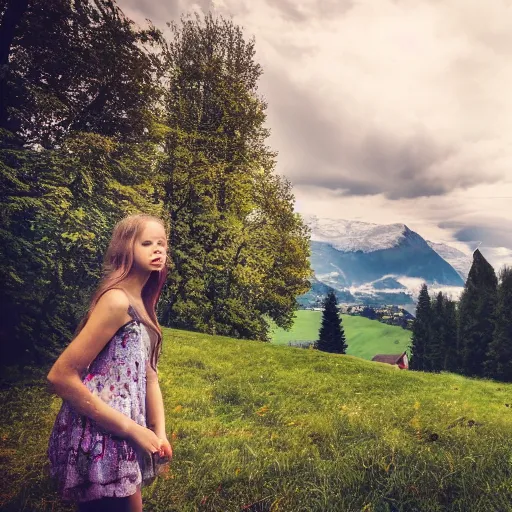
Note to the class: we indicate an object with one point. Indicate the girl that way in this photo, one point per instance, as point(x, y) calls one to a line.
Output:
point(109, 434)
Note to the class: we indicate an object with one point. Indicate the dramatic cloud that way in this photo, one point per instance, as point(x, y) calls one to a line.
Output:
point(491, 232)
point(393, 111)
point(338, 148)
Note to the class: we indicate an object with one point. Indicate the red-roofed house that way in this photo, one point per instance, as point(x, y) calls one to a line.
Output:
point(399, 360)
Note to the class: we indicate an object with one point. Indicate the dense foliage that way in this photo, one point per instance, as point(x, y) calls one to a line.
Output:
point(421, 331)
point(474, 339)
point(498, 362)
point(81, 152)
point(238, 249)
point(476, 316)
point(97, 121)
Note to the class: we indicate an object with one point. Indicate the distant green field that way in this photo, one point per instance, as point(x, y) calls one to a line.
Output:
point(365, 338)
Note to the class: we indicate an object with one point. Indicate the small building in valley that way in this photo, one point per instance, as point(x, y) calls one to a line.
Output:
point(399, 360)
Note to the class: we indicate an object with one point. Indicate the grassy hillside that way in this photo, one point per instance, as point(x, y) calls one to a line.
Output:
point(365, 338)
point(263, 427)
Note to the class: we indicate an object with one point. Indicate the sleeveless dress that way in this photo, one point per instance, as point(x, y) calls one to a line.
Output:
point(88, 462)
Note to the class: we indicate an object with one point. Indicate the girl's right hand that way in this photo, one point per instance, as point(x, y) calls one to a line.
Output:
point(147, 440)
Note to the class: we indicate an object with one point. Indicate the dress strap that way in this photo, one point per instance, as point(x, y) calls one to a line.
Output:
point(133, 313)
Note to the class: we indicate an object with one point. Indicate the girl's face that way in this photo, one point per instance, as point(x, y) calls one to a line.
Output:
point(149, 251)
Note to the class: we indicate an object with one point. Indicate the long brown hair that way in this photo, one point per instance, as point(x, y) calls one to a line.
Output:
point(117, 264)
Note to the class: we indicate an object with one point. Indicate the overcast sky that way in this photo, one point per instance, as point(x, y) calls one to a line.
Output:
point(386, 111)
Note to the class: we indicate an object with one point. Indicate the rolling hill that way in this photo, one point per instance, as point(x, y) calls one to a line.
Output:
point(259, 427)
point(365, 338)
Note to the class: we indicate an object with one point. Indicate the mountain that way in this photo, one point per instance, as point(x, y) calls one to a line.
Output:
point(375, 263)
point(319, 290)
point(460, 261)
point(354, 236)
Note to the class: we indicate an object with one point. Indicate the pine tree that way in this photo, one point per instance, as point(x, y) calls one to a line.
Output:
point(450, 339)
point(331, 337)
point(434, 351)
point(441, 353)
point(421, 327)
point(476, 316)
point(499, 356)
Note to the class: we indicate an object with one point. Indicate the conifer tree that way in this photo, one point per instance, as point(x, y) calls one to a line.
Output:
point(499, 356)
point(434, 350)
point(476, 316)
point(421, 327)
point(441, 353)
point(331, 337)
point(450, 339)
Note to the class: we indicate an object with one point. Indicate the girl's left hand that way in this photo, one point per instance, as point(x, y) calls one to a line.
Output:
point(165, 447)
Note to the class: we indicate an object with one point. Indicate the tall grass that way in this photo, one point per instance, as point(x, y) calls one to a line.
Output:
point(262, 427)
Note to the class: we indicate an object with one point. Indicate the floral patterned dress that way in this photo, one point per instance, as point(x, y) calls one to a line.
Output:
point(88, 462)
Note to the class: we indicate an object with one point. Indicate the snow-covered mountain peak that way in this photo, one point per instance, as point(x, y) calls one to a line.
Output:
point(375, 263)
point(353, 236)
point(459, 260)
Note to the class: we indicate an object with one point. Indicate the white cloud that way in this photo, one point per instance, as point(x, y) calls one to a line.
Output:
point(389, 111)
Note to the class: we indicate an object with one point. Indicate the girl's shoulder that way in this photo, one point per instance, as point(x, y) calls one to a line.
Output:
point(114, 299)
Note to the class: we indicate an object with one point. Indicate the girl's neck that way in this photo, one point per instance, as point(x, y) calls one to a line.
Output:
point(134, 283)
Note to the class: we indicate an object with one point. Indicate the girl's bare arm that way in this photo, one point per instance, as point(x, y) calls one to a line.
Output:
point(109, 314)
point(154, 403)
point(155, 409)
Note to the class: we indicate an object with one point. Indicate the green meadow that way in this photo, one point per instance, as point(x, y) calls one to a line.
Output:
point(365, 337)
point(266, 427)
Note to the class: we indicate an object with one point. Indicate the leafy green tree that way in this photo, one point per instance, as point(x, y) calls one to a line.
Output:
point(331, 337)
point(421, 332)
point(92, 137)
point(73, 163)
point(240, 253)
point(499, 356)
point(476, 315)
point(79, 66)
